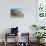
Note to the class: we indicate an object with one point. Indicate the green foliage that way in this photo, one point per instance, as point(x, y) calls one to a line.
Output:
point(42, 10)
point(35, 27)
point(40, 27)
point(39, 35)
point(41, 14)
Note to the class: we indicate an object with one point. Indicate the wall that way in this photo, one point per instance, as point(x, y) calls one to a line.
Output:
point(29, 10)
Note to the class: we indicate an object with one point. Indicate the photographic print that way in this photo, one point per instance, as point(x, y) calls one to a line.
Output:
point(16, 12)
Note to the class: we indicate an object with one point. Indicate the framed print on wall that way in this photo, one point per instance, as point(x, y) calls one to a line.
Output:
point(16, 13)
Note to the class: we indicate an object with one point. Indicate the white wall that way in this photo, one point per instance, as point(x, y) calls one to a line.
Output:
point(29, 10)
